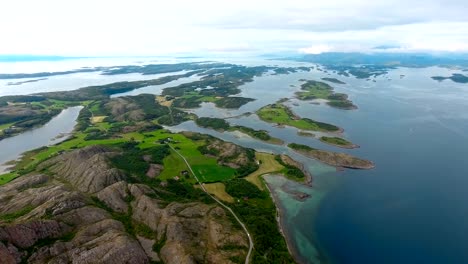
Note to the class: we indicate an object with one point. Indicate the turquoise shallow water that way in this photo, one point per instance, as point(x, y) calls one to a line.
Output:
point(290, 209)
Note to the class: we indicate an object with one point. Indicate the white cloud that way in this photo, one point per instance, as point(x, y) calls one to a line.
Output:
point(316, 49)
point(146, 27)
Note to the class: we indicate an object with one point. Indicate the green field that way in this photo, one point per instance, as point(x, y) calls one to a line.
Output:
point(207, 168)
point(282, 115)
point(5, 178)
point(173, 165)
point(5, 126)
point(56, 104)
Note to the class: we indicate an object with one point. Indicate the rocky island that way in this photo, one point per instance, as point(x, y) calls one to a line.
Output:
point(342, 160)
point(456, 77)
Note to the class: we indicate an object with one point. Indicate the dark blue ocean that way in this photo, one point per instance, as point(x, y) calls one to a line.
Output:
point(413, 207)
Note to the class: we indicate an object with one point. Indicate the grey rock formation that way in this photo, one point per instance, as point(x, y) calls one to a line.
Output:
point(83, 211)
point(114, 196)
point(154, 170)
point(87, 169)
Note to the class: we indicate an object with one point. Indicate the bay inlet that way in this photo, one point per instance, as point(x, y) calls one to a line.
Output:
point(53, 132)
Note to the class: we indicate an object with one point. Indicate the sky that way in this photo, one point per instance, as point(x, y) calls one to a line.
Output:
point(151, 27)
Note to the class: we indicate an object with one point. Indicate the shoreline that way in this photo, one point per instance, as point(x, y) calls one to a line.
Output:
point(279, 221)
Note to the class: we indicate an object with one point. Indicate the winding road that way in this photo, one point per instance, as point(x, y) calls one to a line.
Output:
point(251, 244)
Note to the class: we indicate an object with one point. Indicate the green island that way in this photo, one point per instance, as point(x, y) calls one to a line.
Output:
point(333, 80)
point(262, 135)
point(456, 77)
point(332, 158)
point(339, 142)
point(319, 90)
point(213, 123)
point(280, 114)
point(305, 134)
point(222, 125)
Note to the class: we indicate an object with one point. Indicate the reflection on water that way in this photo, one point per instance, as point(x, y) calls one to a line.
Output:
point(53, 132)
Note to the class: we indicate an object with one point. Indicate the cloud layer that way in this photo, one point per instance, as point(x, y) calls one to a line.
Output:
point(145, 27)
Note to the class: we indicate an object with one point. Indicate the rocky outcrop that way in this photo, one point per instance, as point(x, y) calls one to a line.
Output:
point(115, 196)
point(83, 211)
point(67, 226)
point(27, 234)
point(87, 169)
point(147, 245)
point(193, 232)
point(229, 154)
point(340, 160)
point(123, 108)
point(105, 241)
point(154, 170)
point(9, 254)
